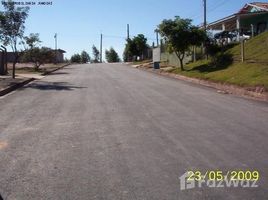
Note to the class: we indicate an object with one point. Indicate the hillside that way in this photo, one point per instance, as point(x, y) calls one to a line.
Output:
point(256, 49)
point(253, 72)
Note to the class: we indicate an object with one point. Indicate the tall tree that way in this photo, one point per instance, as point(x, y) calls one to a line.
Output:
point(141, 44)
point(96, 54)
point(135, 47)
point(12, 27)
point(112, 56)
point(180, 35)
point(76, 58)
point(31, 41)
point(85, 58)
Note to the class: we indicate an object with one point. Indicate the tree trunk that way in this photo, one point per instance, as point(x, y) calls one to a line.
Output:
point(13, 70)
point(180, 57)
point(181, 64)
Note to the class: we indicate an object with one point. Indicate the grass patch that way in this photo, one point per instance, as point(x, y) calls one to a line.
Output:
point(141, 62)
point(252, 73)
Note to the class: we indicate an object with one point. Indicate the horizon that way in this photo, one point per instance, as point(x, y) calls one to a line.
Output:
point(79, 24)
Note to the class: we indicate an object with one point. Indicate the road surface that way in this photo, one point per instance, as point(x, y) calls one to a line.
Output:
point(114, 132)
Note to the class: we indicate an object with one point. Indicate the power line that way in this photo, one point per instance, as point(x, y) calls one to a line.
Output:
point(210, 9)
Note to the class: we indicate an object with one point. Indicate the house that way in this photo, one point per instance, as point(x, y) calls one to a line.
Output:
point(252, 18)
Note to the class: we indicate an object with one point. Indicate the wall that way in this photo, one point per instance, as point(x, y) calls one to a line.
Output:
point(173, 60)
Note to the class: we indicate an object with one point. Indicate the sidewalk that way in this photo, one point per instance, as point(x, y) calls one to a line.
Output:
point(8, 84)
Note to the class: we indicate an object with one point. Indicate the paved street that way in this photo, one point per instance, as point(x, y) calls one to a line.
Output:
point(113, 132)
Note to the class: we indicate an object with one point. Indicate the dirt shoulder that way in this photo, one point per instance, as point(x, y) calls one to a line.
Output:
point(25, 73)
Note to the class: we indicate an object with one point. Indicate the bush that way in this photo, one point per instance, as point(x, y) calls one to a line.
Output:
point(76, 58)
point(38, 56)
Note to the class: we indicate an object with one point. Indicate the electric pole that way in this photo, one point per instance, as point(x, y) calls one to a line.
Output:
point(205, 14)
point(127, 31)
point(101, 49)
point(56, 46)
point(157, 37)
point(127, 42)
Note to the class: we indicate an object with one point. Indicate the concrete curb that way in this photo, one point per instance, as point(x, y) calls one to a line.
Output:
point(21, 84)
point(15, 87)
point(221, 87)
point(50, 72)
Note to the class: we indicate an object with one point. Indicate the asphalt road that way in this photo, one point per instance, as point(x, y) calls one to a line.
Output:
point(112, 132)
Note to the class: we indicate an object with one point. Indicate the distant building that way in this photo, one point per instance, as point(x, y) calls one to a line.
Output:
point(60, 55)
point(252, 18)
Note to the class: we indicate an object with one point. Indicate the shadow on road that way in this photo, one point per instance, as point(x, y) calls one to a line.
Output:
point(53, 86)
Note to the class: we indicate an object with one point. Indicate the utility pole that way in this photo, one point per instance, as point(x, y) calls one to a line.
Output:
point(157, 37)
point(205, 14)
point(243, 50)
point(127, 42)
point(127, 31)
point(56, 46)
point(101, 49)
point(204, 50)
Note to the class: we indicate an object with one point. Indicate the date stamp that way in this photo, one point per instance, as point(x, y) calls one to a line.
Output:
point(219, 179)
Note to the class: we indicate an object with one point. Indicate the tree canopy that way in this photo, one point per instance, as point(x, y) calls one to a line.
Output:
point(85, 58)
point(38, 56)
point(111, 56)
point(180, 34)
point(12, 27)
point(96, 54)
point(135, 47)
point(76, 58)
point(32, 40)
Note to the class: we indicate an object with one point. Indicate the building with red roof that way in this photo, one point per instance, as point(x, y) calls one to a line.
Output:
point(253, 17)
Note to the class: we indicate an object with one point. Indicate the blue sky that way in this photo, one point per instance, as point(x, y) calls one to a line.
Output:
point(79, 23)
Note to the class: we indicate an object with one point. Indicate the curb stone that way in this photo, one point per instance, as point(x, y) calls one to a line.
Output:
point(15, 87)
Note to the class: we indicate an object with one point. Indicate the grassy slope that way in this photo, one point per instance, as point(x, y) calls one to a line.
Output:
point(254, 72)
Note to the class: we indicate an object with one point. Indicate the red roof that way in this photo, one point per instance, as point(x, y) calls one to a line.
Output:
point(260, 6)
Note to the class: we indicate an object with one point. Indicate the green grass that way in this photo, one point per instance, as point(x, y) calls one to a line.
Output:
point(253, 72)
point(141, 62)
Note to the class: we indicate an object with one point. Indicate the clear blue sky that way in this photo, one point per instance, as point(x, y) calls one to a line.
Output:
point(80, 22)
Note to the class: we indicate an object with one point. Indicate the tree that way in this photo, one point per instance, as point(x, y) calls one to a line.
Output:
point(129, 51)
point(38, 56)
point(12, 27)
point(141, 44)
point(180, 35)
point(96, 54)
point(135, 47)
point(32, 40)
point(111, 56)
point(76, 58)
point(85, 58)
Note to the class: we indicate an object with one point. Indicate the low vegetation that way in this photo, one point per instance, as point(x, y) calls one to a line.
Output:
point(229, 69)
